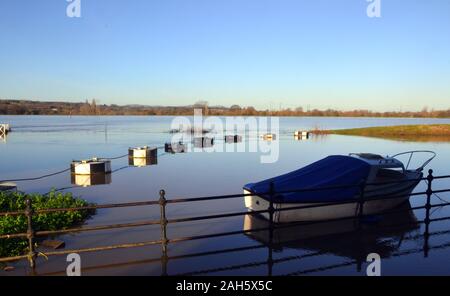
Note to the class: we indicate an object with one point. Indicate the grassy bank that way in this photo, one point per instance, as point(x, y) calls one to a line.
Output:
point(432, 132)
point(15, 201)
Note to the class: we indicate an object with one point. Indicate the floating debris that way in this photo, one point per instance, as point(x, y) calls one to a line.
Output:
point(9, 268)
point(233, 139)
point(54, 244)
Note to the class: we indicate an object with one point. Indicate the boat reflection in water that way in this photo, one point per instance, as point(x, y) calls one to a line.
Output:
point(346, 238)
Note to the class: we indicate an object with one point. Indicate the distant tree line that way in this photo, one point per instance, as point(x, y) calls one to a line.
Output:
point(26, 107)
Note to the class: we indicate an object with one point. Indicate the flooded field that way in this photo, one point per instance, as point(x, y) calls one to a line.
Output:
point(45, 144)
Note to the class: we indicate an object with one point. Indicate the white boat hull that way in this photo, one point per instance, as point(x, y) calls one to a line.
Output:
point(318, 213)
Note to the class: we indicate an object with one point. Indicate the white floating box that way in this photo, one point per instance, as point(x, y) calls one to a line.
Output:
point(202, 142)
point(175, 147)
point(233, 139)
point(8, 186)
point(269, 137)
point(91, 180)
point(301, 135)
point(90, 166)
point(143, 152)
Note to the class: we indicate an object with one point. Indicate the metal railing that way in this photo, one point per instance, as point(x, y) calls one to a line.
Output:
point(32, 234)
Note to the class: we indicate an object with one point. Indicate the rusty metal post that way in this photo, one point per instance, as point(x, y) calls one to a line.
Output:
point(426, 234)
point(271, 210)
point(164, 240)
point(30, 234)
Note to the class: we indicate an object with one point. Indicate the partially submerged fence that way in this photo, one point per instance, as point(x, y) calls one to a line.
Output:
point(31, 235)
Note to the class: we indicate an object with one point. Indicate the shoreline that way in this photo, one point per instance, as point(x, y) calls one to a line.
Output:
point(94, 108)
point(221, 115)
point(439, 132)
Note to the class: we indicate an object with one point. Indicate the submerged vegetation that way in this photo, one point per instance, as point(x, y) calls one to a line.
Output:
point(431, 132)
point(16, 201)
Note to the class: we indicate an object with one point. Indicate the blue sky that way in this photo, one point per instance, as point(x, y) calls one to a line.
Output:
point(264, 53)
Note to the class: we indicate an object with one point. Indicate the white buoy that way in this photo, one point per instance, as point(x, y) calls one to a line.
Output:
point(202, 142)
point(233, 139)
point(8, 186)
point(143, 152)
point(175, 147)
point(90, 166)
point(91, 180)
point(269, 137)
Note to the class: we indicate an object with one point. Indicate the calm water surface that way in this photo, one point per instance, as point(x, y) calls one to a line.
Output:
point(44, 144)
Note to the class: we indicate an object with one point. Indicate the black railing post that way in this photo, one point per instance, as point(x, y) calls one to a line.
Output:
point(163, 222)
point(30, 233)
point(362, 188)
point(361, 201)
point(426, 234)
point(271, 227)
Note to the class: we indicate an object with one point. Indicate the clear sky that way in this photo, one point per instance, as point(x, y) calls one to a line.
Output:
point(264, 53)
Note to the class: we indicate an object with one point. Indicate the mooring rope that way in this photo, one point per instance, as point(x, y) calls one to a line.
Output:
point(36, 178)
point(121, 168)
point(55, 173)
point(114, 158)
point(436, 195)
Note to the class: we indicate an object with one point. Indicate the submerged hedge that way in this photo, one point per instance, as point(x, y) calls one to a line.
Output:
point(15, 201)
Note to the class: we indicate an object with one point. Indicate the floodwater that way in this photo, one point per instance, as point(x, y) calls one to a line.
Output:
point(41, 145)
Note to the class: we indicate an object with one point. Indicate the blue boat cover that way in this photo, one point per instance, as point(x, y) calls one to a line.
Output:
point(335, 170)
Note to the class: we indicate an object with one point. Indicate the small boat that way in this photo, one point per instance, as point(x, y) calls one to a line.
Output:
point(327, 188)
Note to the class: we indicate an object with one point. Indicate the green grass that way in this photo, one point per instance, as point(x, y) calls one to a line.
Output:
point(432, 132)
point(15, 201)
